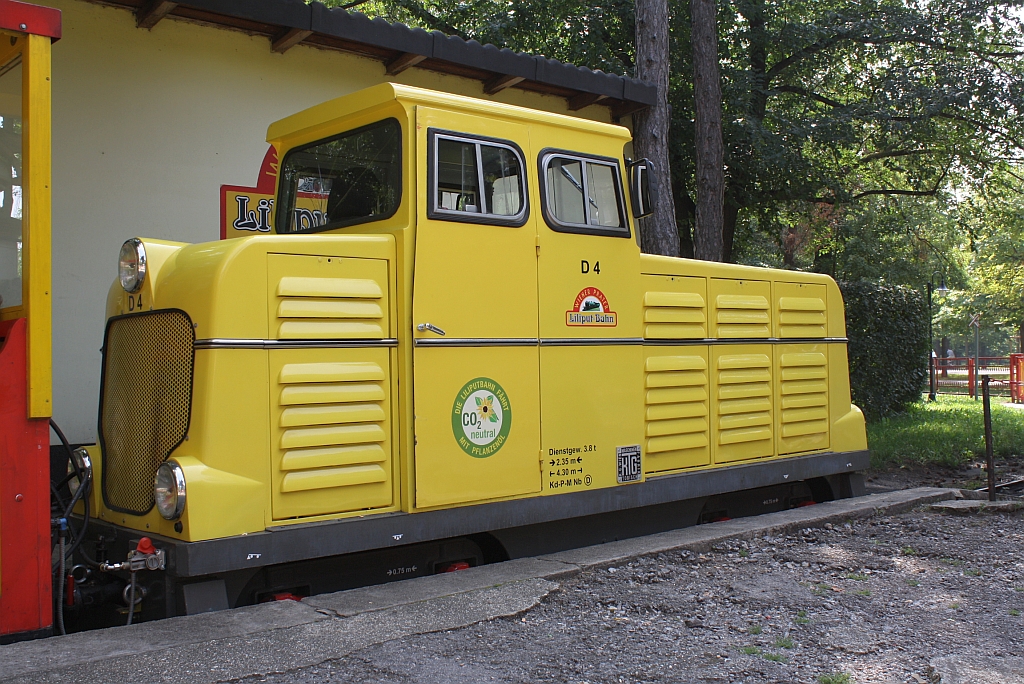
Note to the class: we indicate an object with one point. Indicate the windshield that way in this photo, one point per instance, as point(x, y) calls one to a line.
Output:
point(350, 178)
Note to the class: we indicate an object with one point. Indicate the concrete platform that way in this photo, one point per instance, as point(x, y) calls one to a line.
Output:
point(970, 669)
point(964, 506)
point(282, 636)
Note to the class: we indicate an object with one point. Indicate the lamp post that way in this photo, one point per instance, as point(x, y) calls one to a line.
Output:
point(942, 290)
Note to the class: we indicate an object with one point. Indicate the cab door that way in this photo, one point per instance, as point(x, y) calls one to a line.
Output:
point(591, 356)
point(476, 362)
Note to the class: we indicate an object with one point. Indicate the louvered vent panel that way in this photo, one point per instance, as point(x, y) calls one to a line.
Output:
point(743, 408)
point(677, 411)
point(329, 308)
point(742, 316)
point(674, 315)
point(333, 442)
point(800, 310)
point(803, 403)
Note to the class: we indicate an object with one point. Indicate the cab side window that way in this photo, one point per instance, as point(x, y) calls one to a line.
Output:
point(582, 194)
point(476, 180)
point(341, 181)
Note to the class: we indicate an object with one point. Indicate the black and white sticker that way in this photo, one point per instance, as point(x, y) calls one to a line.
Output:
point(628, 460)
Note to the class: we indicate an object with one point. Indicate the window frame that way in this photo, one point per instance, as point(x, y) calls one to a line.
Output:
point(437, 213)
point(281, 213)
point(544, 158)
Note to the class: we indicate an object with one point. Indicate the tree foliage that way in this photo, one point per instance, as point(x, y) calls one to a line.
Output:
point(826, 102)
point(870, 139)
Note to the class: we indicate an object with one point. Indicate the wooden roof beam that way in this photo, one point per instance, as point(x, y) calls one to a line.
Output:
point(582, 100)
point(398, 64)
point(499, 83)
point(282, 42)
point(152, 11)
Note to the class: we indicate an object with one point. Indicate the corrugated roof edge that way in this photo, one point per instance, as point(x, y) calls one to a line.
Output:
point(354, 27)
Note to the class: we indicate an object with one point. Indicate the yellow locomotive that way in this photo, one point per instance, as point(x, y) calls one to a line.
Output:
point(452, 333)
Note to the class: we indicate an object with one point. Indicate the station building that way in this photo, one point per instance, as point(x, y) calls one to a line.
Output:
point(160, 112)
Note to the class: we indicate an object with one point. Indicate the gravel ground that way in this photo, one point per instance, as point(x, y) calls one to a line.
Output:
point(873, 601)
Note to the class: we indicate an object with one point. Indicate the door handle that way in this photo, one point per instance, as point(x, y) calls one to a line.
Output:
point(430, 327)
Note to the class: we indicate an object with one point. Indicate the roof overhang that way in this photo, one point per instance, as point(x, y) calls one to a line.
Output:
point(287, 23)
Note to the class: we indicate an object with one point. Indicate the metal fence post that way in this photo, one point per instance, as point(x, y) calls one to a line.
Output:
point(989, 458)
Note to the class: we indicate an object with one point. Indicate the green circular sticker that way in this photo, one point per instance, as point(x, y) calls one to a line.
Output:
point(481, 417)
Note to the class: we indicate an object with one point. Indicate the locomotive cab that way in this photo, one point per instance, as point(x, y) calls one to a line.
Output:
point(453, 331)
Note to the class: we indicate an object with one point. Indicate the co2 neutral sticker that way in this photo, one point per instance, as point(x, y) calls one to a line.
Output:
point(481, 417)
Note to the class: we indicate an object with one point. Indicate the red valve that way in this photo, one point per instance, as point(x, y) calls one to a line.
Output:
point(70, 589)
point(145, 546)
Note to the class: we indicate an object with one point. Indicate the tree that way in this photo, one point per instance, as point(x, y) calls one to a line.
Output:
point(833, 102)
point(658, 233)
point(827, 104)
point(707, 95)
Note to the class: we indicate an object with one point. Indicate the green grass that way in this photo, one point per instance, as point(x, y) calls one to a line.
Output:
point(1013, 611)
point(743, 553)
point(863, 592)
point(776, 657)
point(835, 678)
point(855, 576)
point(754, 629)
point(913, 582)
point(947, 432)
point(909, 551)
point(972, 573)
point(783, 642)
point(750, 650)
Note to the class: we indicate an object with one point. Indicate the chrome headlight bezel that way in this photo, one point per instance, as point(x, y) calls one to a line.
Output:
point(131, 265)
point(169, 490)
point(84, 466)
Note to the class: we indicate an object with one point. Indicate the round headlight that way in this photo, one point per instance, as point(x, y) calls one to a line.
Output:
point(131, 265)
point(170, 490)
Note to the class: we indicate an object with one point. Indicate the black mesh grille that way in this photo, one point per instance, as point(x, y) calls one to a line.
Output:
point(145, 402)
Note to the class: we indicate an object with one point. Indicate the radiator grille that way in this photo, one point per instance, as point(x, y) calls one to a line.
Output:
point(145, 402)
point(677, 412)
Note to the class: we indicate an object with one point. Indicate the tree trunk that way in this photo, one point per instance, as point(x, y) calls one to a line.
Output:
point(707, 95)
point(686, 212)
point(658, 232)
point(731, 213)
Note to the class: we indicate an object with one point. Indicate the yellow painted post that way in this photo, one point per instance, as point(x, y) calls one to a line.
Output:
point(36, 170)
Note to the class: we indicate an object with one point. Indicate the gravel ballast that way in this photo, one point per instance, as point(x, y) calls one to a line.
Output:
point(899, 598)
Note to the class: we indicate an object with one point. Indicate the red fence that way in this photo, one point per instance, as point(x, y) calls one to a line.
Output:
point(957, 376)
point(1017, 378)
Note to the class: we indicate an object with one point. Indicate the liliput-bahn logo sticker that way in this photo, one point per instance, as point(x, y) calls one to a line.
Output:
point(591, 309)
point(481, 417)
